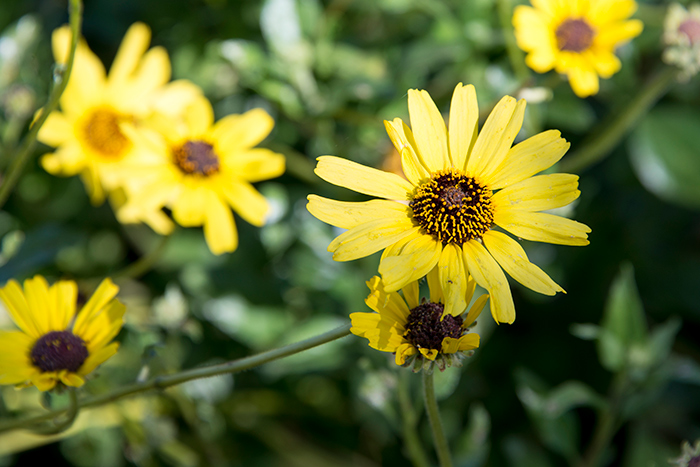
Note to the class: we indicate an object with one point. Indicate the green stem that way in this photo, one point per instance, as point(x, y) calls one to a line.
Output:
point(411, 439)
point(610, 132)
point(441, 446)
point(26, 149)
point(145, 263)
point(70, 416)
point(162, 382)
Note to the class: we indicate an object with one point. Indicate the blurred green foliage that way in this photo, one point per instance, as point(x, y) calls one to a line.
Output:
point(330, 72)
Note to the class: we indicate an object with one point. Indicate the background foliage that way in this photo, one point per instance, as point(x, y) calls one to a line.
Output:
point(329, 72)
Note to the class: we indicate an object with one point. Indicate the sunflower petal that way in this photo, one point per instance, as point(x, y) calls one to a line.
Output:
point(490, 140)
point(463, 124)
point(453, 278)
point(104, 294)
point(369, 237)
point(348, 215)
point(247, 202)
point(219, 227)
point(131, 50)
point(236, 132)
point(363, 179)
point(489, 275)
point(539, 193)
point(255, 165)
point(18, 308)
point(543, 227)
point(414, 261)
point(402, 137)
point(428, 130)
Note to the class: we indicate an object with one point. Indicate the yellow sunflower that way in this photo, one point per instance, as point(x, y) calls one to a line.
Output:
point(577, 38)
point(87, 131)
point(54, 345)
point(461, 183)
point(408, 326)
point(200, 170)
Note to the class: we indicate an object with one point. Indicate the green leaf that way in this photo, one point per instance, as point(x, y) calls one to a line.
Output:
point(664, 154)
point(623, 325)
point(472, 447)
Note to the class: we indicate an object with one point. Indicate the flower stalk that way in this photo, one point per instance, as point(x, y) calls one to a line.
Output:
point(441, 446)
point(162, 382)
point(26, 149)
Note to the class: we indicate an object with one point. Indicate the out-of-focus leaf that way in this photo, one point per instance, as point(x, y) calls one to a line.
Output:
point(662, 338)
point(664, 154)
point(473, 446)
point(623, 324)
point(523, 452)
point(685, 370)
point(645, 449)
point(93, 447)
point(585, 331)
point(446, 382)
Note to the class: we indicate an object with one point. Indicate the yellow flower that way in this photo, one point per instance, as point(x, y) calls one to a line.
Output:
point(408, 326)
point(88, 131)
point(445, 213)
point(200, 169)
point(576, 38)
point(52, 347)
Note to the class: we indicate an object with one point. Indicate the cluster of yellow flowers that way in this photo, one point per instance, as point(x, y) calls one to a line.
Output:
point(149, 144)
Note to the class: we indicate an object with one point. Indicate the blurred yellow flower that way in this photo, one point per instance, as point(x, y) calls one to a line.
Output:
point(407, 326)
point(51, 347)
point(445, 213)
point(577, 38)
point(200, 169)
point(88, 130)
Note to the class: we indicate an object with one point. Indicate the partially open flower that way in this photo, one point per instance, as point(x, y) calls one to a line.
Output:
point(682, 39)
point(418, 331)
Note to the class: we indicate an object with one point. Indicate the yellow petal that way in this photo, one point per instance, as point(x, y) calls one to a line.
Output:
point(402, 137)
point(414, 261)
point(44, 381)
point(430, 354)
point(130, 52)
point(152, 73)
point(543, 227)
point(428, 130)
point(433, 279)
point(41, 308)
point(247, 202)
point(363, 179)
point(64, 296)
point(71, 379)
point(105, 292)
point(404, 351)
point(489, 275)
point(188, 210)
point(605, 62)
point(468, 342)
point(463, 124)
point(56, 130)
point(475, 310)
point(532, 156)
point(256, 164)
point(369, 237)
point(98, 358)
point(348, 215)
point(539, 193)
point(411, 293)
point(453, 278)
point(511, 256)
point(584, 82)
point(18, 308)
point(103, 327)
point(603, 12)
point(219, 228)
point(412, 167)
point(613, 35)
point(495, 137)
point(236, 132)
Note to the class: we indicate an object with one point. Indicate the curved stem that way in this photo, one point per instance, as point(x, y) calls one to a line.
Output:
point(611, 131)
point(70, 416)
point(411, 439)
point(24, 153)
point(145, 263)
point(441, 446)
point(162, 382)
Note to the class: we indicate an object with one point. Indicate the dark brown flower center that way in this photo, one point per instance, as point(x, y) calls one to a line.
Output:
point(102, 133)
point(196, 157)
point(691, 28)
point(453, 207)
point(59, 350)
point(694, 462)
point(574, 35)
point(425, 329)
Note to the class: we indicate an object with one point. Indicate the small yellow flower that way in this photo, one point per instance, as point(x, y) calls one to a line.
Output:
point(200, 170)
point(88, 131)
point(51, 346)
point(408, 326)
point(577, 38)
point(461, 183)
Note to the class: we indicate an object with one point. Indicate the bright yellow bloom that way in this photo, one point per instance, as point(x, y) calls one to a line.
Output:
point(444, 214)
point(200, 170)
point(577, 38)
point(408, 326)
point(88, 131)
point(51, 347)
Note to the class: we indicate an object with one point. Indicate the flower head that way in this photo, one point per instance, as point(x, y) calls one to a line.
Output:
point(690, 456)
point(53, 344)
point(682, 38)
point(200, 169)
point(577, 39)
point(88, 131)
point(461, 183)
point(417, 331)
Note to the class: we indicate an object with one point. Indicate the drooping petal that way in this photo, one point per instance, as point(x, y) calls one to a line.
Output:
point(247, 202)
point(530, 157)
point(369, 237)
point(543, 227)
point(475, 310)
point(463, 124)
point(348, 215)
point(362, 179)
point(489, 275)
point(584, 81)
point(539, 193)
point(188, 209)
point(468, 342)
point(513, 259)
point(453, 278)
point(404, 351)
point(428, 130)
point(415, 260)
point(219, 227)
